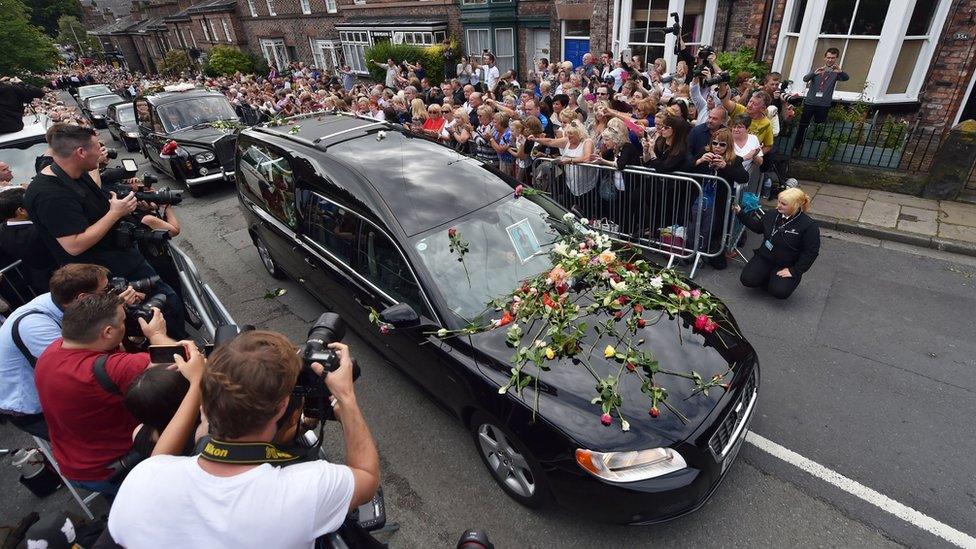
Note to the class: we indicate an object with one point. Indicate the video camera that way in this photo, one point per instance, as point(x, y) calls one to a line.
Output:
point(128, 233)
point(118, 284)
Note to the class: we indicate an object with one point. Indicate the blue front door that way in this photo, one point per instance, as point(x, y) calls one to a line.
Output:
point(574, 48)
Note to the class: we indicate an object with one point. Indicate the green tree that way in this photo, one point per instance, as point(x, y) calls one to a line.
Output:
point(71, 32)
point(226, 60)
point(27, 48)
point(47, 13)
point(175, 62)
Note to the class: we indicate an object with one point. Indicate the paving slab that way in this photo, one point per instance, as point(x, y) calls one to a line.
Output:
point(957, 213)
point(841, 191)
point(904, 200)
point(958, 232)
point(882, 214)
point(917, 220)
point(833, 206)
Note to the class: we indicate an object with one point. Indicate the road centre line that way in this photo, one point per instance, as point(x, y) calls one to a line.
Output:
point(879, 500)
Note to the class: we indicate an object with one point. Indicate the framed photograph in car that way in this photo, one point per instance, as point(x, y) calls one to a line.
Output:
point(523, 239)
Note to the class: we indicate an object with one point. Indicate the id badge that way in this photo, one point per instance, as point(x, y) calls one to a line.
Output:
point(768, 245)
point(820, 93)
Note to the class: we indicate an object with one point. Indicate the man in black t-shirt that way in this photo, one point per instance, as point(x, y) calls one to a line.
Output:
point(75, 219)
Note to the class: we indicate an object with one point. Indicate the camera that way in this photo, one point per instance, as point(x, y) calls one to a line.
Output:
point(785, 85)
point(144, 311)
point(162, 196)
point(666, 79)
point(676, 27)
point(128, 233)
point(118, 284)
point(111, 153)
point(723, 76)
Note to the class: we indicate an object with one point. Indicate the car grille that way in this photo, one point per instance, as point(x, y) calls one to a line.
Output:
point(720, 443)
point(224, 147)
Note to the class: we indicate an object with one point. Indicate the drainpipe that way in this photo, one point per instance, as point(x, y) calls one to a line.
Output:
point(614, 42)
point(764, 30)
point(728, 22)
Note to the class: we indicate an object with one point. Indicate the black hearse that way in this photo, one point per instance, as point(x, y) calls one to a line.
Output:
point(358, 211)
point(188, 133)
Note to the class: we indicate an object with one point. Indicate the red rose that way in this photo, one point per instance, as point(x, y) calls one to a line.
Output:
point(638, 308)
point(169, 148)
point(506, 319)
point(606, 420)
point(631, 367)
point(654, 411)
point(641, 323)
point(518, 191)
point(384, 329)
point(561, 288)
point(701, 321)
point(548, 302)
point(615, 277)
point(623, 300)
point(618, 315)
point(630, 266)
point(525, 287)
point(452, 232)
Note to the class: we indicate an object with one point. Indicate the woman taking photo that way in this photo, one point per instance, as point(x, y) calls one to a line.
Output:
point(575, 148)
point(718, 159)
point(748, 148)
point(790, 244)
point(464, 71)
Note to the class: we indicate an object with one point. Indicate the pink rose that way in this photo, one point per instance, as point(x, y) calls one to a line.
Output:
point(696, 293)
point(606, 420)
point(518, 191)
point(452, 232)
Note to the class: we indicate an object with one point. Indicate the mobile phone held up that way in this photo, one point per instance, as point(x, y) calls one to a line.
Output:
point(163, 354)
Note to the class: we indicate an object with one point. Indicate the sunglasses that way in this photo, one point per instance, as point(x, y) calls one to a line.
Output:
point(602, 93)
point(719, 144)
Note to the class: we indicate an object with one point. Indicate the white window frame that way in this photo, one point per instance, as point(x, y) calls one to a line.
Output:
point(274, 52)
point(324, 60)
point(331, 6)
point(226, 30)
point(206, 32)
point(482, 44)
point(965, 99)
point(668, 43)
point(511, 60)
point(354, 44)
point(305, 6)
point(251, 8)
point(271, 8)
point(213, 31)
point(886, 55)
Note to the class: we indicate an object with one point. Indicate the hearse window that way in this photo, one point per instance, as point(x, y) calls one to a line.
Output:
point(142, 113)
point(382, 263)
point(335, 228)
point(269, 182)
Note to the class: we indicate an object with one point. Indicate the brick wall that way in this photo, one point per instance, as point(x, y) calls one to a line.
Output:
point(952, 67)
point(601, 23)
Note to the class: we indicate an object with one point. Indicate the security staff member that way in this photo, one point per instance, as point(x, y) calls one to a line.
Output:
point(791, 243)
point(76, 220)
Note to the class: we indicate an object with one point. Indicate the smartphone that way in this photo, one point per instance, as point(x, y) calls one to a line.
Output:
point(163, 354)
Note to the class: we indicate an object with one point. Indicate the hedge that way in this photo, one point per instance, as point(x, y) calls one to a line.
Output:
point(225, 60)
point(430, 57)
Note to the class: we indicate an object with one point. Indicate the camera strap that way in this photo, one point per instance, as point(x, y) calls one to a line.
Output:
point(68, 181)
point(246, 453)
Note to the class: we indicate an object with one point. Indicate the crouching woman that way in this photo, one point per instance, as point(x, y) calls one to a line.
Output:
point(790, 244)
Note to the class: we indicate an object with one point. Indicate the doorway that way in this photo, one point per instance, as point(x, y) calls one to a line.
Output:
point(537, 48)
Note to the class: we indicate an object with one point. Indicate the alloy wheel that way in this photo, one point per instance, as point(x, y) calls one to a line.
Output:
point(506, 463)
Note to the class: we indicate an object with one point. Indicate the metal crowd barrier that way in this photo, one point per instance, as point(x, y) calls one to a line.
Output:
point(683, 216)
point(14, 287)
point(199, 295)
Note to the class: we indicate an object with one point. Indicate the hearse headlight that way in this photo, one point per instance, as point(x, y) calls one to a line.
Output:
point(630, 466)
point(97, 116)
point(204, 157)
point(132, 134)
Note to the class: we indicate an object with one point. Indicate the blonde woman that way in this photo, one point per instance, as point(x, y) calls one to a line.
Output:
point(790, 244)
point(575, 148)
point(418, 111)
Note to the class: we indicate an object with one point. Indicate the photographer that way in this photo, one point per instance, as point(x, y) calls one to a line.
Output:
point(246, 389)
point(14, 95)
point(19, 240)
point(820, 94)
point(80, 382)
point(31, 329)
point(77, 222)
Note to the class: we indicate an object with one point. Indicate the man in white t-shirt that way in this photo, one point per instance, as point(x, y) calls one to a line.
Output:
point(490, 71)
point(205, 501)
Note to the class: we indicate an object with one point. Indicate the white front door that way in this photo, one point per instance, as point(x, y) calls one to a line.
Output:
point(274, 52)
point(538, 48)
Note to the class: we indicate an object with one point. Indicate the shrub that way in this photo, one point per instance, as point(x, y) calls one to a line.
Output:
point(741, 60)
point(430, 57)
point(226, 60)
point(175, 62)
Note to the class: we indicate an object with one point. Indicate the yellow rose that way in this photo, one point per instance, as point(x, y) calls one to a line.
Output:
point(609, 351)
point(607, 257)
point(550, 354)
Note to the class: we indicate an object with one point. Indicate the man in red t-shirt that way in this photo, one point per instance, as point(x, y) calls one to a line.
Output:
point(89, 425)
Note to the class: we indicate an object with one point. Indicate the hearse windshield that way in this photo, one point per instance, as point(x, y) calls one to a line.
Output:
point(195, 111)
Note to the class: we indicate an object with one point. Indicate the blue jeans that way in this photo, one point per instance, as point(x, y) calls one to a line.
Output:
point(104, 487)
point(173, 311)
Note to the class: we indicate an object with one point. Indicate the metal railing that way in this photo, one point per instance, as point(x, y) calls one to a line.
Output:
point(682, 216)
point(199, 295)
point(14, 286)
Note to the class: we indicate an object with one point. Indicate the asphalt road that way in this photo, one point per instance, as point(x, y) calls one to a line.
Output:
point(869, 370)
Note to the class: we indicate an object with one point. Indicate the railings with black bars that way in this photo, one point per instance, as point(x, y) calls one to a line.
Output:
point(15, 289)
point(682, 216)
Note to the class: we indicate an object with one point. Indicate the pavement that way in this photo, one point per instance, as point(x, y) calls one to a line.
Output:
point(869, 370)
point(939, 224)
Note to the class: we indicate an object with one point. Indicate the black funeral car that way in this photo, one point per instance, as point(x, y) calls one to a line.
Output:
point(358, 211)
point(121, 120)
point(95, 107)
point(188, 134)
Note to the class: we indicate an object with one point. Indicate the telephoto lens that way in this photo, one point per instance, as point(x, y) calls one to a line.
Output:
point(144, 311)
point(118, 284)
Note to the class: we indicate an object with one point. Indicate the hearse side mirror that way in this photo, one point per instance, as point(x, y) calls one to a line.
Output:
point(400, 315)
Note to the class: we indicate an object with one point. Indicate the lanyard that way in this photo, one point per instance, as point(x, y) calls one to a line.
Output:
point(781, 227)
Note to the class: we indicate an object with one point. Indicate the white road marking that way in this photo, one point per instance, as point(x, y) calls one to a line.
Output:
point(861, 491)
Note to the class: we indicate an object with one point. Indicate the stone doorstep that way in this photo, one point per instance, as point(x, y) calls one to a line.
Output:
point(840, 191)
point(838, 207)
point(894, 235)
point(957, 213)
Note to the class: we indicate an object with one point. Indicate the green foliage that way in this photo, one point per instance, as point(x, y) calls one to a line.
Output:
point(27, 48)
point(741, 60)
point(430, 57)
point(71, 32)
point(175, 62)
point(226, 60)
point(47, 13)
point(259, 63)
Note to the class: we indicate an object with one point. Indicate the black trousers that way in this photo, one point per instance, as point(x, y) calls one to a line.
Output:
point(33, 424)
point(760, 273)
point(810, 112)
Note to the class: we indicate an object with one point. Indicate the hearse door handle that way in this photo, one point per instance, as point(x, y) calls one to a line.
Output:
point(310, 263)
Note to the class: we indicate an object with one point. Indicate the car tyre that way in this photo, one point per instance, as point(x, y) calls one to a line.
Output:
point(509, 462)
point(196, 191)
point(269, 263)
